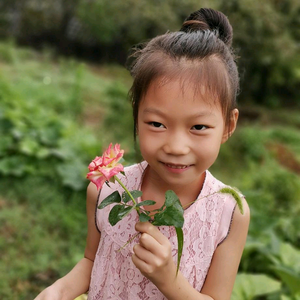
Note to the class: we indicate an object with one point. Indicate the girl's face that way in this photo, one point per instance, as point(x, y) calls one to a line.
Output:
point(180, 133)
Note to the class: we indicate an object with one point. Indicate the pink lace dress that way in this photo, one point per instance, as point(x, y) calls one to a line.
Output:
point(207, 223)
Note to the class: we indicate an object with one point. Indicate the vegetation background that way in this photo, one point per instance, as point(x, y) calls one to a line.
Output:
point(63, 98)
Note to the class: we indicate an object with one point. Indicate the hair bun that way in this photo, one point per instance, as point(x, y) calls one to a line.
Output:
point(209, 19)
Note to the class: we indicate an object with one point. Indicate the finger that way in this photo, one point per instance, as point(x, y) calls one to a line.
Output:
point(145, 261)
point(146, 227)
point(140, 259)
point(158, 250)
point(143, 254)
point(140, 264)
point(150, 243)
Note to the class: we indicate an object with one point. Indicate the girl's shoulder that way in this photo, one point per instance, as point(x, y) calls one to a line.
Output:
point(213, 205)
point(221, 208)
point(133, 175)
point(233, 201)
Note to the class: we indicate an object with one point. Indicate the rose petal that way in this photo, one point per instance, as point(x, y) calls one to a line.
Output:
point(104, 167)
point(110, 172)
point(95, 163)
point(97, 178)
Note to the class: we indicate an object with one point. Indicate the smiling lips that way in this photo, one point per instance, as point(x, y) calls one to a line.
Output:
point(176, 168)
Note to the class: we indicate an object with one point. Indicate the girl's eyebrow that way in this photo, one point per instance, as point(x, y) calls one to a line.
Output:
point(153, 110)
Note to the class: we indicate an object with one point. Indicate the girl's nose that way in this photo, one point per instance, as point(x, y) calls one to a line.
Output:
point(176, 145)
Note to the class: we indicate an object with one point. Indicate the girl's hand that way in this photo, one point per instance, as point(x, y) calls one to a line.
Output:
point(153, 255)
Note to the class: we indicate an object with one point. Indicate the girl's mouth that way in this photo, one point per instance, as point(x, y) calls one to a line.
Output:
point(176, 166)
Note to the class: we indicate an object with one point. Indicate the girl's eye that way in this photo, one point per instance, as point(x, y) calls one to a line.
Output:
point(199, 127)
point(156, 124)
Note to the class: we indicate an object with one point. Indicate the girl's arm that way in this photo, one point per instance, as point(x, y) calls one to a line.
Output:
point(152, 256)
point(221, 276)
point(77, 281)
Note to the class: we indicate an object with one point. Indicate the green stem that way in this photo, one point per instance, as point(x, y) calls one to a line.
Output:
point(126, 190)
point(226, 190)
point(190, 203)
point(129, 241)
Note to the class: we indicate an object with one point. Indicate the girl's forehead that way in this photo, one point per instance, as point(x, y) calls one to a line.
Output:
point(204, 77)
point(173, 94)
point(184, 87)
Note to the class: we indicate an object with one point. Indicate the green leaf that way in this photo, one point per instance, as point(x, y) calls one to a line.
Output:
point(112, 179)
point(112, 198)
point(250, 286)
point(179, 233)
point(159, 209)
point(29, 146)
point(74, 170)
point(6, 144)
point(125, 211)
point(43, 153)
point(118, 212)
point(144, 218)
point(290, 277)
point(146, 203)
point(14, 165)
point(135, 194)
point(169, 217)
point(235, 195)
point(293, 297)
point(113, 216)
point(172, 199)
point(289, 256)
point(172, 215)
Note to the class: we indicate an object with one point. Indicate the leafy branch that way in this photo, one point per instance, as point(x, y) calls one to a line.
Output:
point(170, 214)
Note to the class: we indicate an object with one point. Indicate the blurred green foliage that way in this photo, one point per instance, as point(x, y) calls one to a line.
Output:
point(50, 117)
point(38, 111)
point(55, 115)
point(267, 37)
point(266, 34)
point(130, 22)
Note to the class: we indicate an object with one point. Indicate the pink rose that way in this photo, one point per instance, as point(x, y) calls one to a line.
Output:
point(104, 167)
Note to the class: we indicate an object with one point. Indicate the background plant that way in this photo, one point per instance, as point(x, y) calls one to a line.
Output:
point(103, 30)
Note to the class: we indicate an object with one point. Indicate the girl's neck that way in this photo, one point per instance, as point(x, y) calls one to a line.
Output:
point(155, 190)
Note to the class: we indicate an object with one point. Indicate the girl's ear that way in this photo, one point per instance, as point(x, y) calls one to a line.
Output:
point(229, 130)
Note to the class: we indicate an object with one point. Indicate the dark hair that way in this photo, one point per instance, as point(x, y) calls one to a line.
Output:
point(201, 50)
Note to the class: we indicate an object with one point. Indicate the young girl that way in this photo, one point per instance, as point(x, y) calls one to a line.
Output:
point(184, 107)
